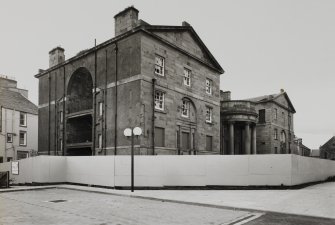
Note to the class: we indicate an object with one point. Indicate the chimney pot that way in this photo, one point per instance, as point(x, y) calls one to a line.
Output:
point(185, 24)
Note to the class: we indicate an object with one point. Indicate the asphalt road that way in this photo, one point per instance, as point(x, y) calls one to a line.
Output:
point(287, 219)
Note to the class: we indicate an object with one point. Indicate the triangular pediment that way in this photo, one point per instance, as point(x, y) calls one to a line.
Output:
point(284, 100)
point(186, 39)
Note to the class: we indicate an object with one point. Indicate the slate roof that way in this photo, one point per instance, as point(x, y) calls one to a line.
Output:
point(273, 97)
point(330, 144)
point(14, 100)
point(147, 28)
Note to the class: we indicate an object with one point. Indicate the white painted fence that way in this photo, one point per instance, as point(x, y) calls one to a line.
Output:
point(172, 170)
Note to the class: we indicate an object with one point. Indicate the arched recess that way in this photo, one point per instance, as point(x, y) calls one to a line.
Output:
point(79, 91)
point(79, 105)
point(283, 142)
point(192, 109)
point(186, 133)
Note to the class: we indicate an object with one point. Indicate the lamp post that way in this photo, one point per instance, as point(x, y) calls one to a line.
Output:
point(128, 132)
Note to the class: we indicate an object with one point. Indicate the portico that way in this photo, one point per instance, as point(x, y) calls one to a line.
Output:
point(238, 120)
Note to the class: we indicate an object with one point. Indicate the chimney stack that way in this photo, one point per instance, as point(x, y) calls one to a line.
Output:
point(126, 20)
point(225, 95)
point(282, 90)
point(56, 56)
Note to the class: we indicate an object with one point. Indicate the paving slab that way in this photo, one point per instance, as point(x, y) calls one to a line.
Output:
point(64, 206)
point(317, 200)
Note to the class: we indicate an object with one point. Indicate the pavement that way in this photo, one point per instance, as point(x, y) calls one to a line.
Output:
point(317, 200)
point(311, 205)
point(65, 206)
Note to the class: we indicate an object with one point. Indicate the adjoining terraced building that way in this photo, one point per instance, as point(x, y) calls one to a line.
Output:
point(18, 122)
point(160, 78)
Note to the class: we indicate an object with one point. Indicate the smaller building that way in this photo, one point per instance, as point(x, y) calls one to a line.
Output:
point(301, 149)
point(327, 151)
point(315, 153)
point(261, 125)
point(18, 122)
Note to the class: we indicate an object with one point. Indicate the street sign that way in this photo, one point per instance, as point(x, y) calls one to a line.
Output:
point(15, 167)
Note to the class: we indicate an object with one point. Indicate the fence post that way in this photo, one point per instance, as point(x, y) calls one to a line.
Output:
point(7, 185)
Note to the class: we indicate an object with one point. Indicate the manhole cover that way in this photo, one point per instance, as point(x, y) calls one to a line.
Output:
point(57, 201)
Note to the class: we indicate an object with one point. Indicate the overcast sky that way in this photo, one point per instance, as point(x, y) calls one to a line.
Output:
point(263, 45)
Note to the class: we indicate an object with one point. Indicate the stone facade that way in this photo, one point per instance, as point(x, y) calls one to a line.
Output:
point(86, 102)
point(275, 130)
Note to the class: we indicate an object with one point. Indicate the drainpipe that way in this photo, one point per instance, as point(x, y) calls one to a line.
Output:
point(49, 121)
point(56, 122)
point(105, 112)
point(64, 103)
point(116, 80)
point(94, 98)
point(153, 116)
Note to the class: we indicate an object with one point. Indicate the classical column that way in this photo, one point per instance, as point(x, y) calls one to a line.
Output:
point(221, 138)
point(247, 142)
point(253, 141)
point(231, 138)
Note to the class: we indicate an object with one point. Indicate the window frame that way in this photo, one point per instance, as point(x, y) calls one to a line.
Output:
point(187, 109)
point(210, 110)
point(209, 86)
point(100, 105)
point(11, 137)
point(163, 144)
point(161, 67)
point(25, 138)
point(187, 76)
point(100, 141)
point(25, 119)
point(275, 135)
point(211, 143)
point(162, 100)
point(264, 116)
point(275, 114)
point(61, 116)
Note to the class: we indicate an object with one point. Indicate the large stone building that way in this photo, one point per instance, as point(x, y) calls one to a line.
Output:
point(18, 122)
point(160, 78)
point(327, 151)
point(261, 125)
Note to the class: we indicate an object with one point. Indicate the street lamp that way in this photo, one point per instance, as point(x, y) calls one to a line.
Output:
point(128, 132)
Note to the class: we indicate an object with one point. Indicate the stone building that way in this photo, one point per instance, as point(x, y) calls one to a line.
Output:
point(327, 151)
point(261, 125)
point(160, 78)
point(275, 131)
point(18, 122)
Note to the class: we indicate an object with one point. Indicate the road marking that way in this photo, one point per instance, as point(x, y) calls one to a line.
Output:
point(244, 219)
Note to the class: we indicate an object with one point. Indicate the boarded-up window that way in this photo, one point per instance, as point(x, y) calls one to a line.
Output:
point(185, 140)
point(159, 137)
point(261, 116)
point(209, 143)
